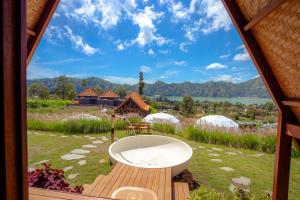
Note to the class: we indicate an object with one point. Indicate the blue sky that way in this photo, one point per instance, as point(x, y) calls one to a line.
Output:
point(169, 40)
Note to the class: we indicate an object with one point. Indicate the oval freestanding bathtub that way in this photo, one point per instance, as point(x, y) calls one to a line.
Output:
point(152, 151)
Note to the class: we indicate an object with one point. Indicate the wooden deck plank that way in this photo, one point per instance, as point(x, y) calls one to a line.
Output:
point(144, 178)
point(138, 177)
point(118, 182)
point(161, 187)
point(91, 187)
point(155, 181)
point(132, 178)
point(186, 190)
point(111, 181)
point(150, 179)
point(102, 184)
point(127, 177)
point(168, 184)
point(180, 191)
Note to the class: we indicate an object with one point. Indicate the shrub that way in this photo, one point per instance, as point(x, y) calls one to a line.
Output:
point(76, 126)
point(164, 128)
point(53, 179)
point(34, 103)
point(205, 193)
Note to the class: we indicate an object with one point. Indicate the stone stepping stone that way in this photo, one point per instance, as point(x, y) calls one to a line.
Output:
point(217, 149)
point(82, 162)
point(86, 136)
point(80, 151)
point(98, 142)
point(52, 135)
point(194, 148)
point(39, 134)
point(232, 188)
point(258, 155)
point(71, 156)
point(243, 181)
point(67, 168)
point(76, 136)
point(29, 133)
point(103, 137)
point(89, 146)
point(201, 147)
point(216, 160)
point(209, 150)
point(214, 154)
point(31, 169)
point(102, 161)
point(227, 169)
point(92, 138)
point(239, 152)
point(64, 136)
point(72, 176)
point(41, 162)
point(231, 153)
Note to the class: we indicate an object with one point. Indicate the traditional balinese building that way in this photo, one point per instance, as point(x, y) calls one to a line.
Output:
point(87, 97)
point(109, 98)
point(134, 103)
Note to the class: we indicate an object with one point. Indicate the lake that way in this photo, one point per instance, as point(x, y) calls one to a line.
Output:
point(243, 100)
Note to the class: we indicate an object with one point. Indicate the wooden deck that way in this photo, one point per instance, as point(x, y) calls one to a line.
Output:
point(157, 180)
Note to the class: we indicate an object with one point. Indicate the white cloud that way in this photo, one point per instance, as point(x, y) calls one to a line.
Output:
point(228, 78)
point(36, 72)
point(147, 33)
point(243, 56)
point(62, 61)
point(151, 52)
point(224, 56)
point(145, 69)
point(215, 66)
point(168, 74)
point(79, 43)
point(180, 63)
point(183, 47)
point(163, 51)
point(216, 17)
point(121, 79)
point(120, 47)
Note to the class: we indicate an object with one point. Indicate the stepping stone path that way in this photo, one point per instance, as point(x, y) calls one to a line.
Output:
point(216, 160)
point(194, 148)
point(98, 142)
point(41, 162)
point(258, 155)
point(242, 182)
point(91, 138)
point(217, 149)
point(64, 136)
point(71, 156)
point(72, 176)
point(82, 162)
point(80, 151)
point(89, 146)
point(214, 154)
point(76, 136)
point(227, 169)
point(231, 153)
point(201, 147)
point(86, 136)
point(31, 169)
point(102, 161)
point(68, 168)
point(208, 150)
point(52, 135)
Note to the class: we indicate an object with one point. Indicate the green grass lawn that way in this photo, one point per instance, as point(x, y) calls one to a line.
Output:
point(258, 169)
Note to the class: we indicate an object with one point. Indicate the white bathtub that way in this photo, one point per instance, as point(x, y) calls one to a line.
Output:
point(151, 151)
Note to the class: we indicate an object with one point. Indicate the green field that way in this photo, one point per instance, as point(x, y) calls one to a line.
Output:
point(51, 146)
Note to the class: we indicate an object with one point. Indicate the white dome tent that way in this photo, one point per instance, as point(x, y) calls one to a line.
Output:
point(217, 121)
point(162, 118)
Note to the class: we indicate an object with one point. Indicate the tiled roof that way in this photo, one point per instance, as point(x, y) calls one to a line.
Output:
point(88, 92)
point(138, 100)
point(109, 94)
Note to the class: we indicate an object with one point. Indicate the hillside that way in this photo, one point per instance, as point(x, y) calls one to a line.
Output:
point(250, 88)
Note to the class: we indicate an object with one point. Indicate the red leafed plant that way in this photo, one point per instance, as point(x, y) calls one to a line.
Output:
point(52, 179)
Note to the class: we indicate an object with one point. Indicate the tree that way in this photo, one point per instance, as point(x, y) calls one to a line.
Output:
point(97, 89)
point(122, 91)
point(187, 106)
point(38, 90)
point(141, 83)
point(83, 83)
point(64, 89)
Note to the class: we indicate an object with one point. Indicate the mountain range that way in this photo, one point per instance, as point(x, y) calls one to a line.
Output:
point(250, 88)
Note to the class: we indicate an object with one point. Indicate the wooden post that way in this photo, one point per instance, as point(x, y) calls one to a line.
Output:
point(112, 128)
point(13, 143)
point(282, 159)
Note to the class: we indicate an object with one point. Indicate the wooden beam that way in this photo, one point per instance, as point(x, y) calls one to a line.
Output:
point(13, 137)
point(256, 53)
point(293, 130)
point(263, 13)
point(282, 160)
point(30, 32)
point(41, 27)
point(291, 102)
